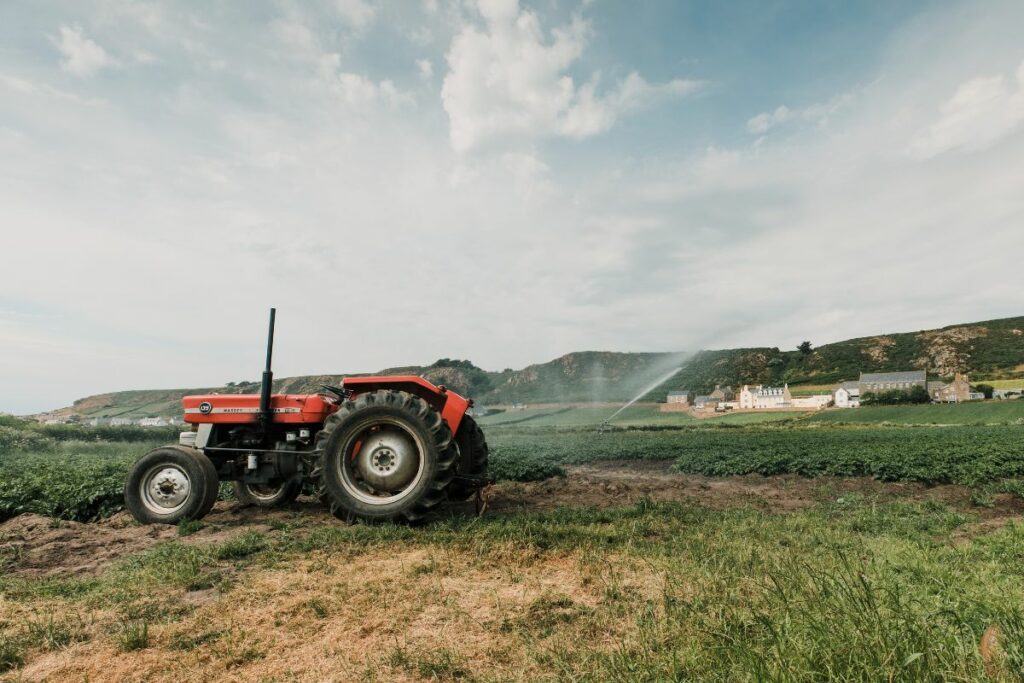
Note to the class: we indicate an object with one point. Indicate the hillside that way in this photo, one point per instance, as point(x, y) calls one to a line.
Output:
point(990, 349)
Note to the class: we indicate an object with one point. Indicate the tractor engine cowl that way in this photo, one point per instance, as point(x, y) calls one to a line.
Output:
point(245, 408)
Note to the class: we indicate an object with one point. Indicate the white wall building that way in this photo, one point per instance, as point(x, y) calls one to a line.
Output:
point(815, 402)
point(847, 395)
point(762, 398)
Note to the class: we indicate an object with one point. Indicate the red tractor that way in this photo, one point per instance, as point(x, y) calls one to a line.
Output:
point(388, 448)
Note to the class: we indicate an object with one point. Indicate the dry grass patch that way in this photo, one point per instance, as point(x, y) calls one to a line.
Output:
point(426, 613)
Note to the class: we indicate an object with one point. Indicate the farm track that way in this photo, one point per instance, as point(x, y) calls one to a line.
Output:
point(36, 546)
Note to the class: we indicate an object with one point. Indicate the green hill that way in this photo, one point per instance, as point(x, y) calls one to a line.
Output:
point(991, 349)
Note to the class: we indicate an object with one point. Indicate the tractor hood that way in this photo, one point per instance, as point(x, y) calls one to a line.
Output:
point(243, 408)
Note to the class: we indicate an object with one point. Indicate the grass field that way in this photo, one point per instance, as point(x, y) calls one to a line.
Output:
point(811, 389)
point(648, 414)
point(848, 590)
point(981, 412)
point(77, 473)
point(1004, 383)
point(640, 414)
point(847, 586)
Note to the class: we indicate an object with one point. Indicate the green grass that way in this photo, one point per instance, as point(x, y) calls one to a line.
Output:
point(83, 480)
point(1003, 383)
point(648, 414)
point(511, 416)
point(855, 590)
point(76, 480)
point(756, 418)
point(810, 389)
point(971, 455)
point(851, 589)
point(638, 415)
point(979, 412)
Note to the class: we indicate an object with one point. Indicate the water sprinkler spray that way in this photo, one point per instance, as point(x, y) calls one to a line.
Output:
point(606, 424)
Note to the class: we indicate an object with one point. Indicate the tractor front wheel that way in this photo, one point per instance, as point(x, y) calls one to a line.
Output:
point(169, 484)
point(385, 457)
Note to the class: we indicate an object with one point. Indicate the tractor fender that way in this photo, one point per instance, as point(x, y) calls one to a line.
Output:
point(451, 405)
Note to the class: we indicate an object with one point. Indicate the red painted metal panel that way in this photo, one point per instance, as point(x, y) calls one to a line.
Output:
point(244, 408)
point(313, 408)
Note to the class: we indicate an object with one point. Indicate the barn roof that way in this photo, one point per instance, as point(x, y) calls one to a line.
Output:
point(910, 376)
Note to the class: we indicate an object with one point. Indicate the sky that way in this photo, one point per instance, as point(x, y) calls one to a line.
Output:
point(497, 180)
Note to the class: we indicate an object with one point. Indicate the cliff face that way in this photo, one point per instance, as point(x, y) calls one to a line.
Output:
point(993, 348)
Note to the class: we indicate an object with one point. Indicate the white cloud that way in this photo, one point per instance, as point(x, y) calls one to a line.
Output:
point(359, 14)
point(816, 113)
point(981, 112)
point(508, 79)
point(426, 69)
point(327, 70)
point(288, 178)
point(26, 87)
point(81, 55)
point(357, 89)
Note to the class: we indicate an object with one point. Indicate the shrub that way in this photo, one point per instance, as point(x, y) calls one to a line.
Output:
point(18, 439)
point(917, 394)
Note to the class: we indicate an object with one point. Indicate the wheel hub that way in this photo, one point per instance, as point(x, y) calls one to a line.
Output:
point(388, 460)
point(167, 488)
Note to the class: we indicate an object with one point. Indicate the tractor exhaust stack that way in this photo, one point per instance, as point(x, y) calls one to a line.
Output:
point(268, 377)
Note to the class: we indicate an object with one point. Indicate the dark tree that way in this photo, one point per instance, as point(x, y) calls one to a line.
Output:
point(986, 389)
point(805, 348)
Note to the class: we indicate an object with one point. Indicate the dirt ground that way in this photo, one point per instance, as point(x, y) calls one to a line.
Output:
point(36, 546)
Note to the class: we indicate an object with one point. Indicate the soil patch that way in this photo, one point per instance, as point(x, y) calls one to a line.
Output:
point(624, 483)
point(33, 545)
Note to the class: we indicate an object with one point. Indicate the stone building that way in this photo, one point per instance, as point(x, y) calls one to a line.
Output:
point(878, 382)
point(678, 397)
point(723, 393)
point(957, 391)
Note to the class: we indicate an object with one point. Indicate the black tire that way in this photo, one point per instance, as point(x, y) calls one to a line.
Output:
point(169, 484)
point(212, 482)
point(359, 483)
point(473, 455)
point(268, 495)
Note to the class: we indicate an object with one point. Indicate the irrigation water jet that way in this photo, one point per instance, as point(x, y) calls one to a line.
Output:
point(649, 389)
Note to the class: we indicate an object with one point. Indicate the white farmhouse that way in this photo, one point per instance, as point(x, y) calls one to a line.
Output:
point(847, 395)
point(761, 397)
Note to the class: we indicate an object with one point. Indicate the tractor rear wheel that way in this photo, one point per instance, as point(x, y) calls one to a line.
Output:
point(169, 484)
point(473, 455)
point(384, 457)
point(270, 495)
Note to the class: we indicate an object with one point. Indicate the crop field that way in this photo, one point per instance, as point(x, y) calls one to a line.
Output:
point(1004, 383)
point(641, 414)
point(981, 412)
point(798, 547)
